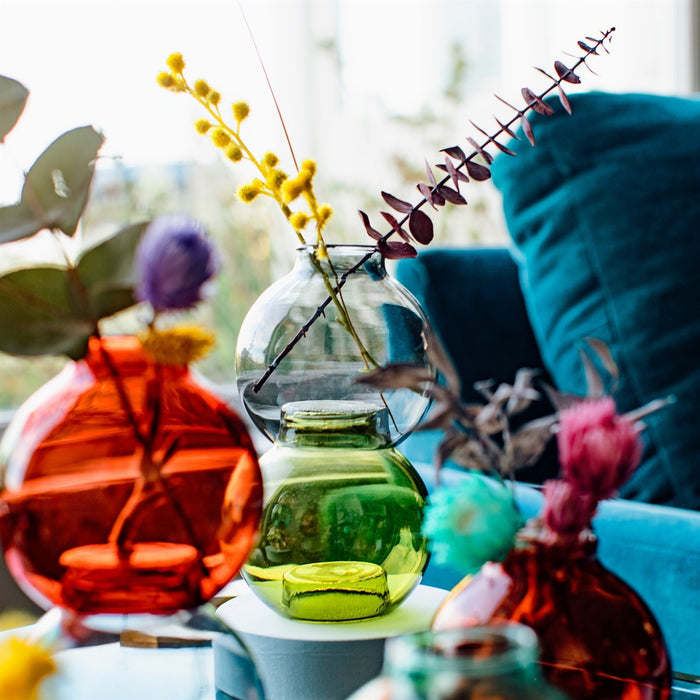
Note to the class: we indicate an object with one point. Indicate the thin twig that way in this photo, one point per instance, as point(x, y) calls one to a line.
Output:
point(503, 129)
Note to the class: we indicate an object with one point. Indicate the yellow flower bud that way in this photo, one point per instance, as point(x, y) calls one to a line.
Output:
point(270, 160)
point(202, 126)
point(233, 152)
point(214, 97)
point(304, 179)
point(275, 178)
point(181, 345)
point(309, 166)
point(201, 88)
point(291, 189)
point(298, 220)
point(220, 138)
point(240, 111)
point(250, 191)
point(166, 80)
point(176, 62)
point(325, 212)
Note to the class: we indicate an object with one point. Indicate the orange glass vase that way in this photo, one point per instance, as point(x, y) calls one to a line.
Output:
point(598, 639)
point(127, 487)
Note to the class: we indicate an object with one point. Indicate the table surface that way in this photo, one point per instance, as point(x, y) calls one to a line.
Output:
point(113, 672)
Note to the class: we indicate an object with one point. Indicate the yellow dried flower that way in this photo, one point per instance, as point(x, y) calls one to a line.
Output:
point(298, 220)
point(270, 160)
point(240, 111)
point(180, 345)
point(250, 191)
point(214, 97)
point(291, 189)
point(202, 126)
point(220, 138)
point(176, 62)
point(234, 152)
point(166, 80)
point(325, 212)
point(201, 88)
point(310, 166)
point(275, 178)
point(23, 666)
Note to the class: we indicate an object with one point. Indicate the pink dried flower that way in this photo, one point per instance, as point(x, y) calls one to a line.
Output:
point(598, 448)
point(567, 510)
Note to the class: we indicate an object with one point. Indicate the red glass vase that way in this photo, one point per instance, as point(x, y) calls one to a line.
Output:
point(598, 638)
point(127, 487)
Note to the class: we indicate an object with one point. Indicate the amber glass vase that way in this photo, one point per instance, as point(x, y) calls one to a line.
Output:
point(598, 639)
point(127, 487)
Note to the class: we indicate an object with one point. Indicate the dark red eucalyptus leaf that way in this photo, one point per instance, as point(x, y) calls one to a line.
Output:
point(455, 175)
point(429, 173)
point(477, 171)
point(420, 226)
point(508, 104)
point(396, 250)
point(451, 195)
point(454, 152)
point(506, 129)
point(427, 193)
point(480, 150)
point(564, 99)
point(544, 72)
point(396, 203)
point(431, 196)
point(503, 149)
point(566, 73)
point(371, 232)
point(395, 225)
point(535, 103)
point(589, 49)
point(460, 175)
point(527, 128)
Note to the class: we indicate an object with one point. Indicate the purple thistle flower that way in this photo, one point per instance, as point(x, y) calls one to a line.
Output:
point(174, 260)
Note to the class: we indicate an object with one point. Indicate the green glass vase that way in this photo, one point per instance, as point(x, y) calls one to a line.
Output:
point(496, 662)
point(340, 536)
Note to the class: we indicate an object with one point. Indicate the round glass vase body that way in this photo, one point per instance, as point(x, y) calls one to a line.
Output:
point(598, 638)
point(127, 487)
point(340, 536)
point(480, 663)
point(372, 321)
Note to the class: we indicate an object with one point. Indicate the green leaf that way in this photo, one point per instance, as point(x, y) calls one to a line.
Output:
point(40, 314)
point(13, 98)
point(107, 271)
point(16, 221)
point(56, 187)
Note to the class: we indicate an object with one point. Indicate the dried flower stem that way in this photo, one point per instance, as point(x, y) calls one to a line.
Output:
point(433, 195)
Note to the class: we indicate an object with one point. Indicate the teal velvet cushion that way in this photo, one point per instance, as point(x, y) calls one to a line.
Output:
point(604, 215)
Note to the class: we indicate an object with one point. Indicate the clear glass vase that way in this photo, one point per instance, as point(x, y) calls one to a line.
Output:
point(127, 487)
point(598, 638)
point(372, 321)
point(482, 663)
point(340, 536)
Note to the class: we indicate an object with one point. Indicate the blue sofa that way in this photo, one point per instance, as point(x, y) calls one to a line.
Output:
point(473, 299)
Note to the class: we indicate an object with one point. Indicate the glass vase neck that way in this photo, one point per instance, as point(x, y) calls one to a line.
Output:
point(506, 649)
point(536, 538)
point(353, 424)
point(342, 257)
point(124, 354)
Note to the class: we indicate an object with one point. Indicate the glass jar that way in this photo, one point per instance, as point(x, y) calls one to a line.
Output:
point(598, 638)
point(372, 321)
point(340, 535)
point(126, 487)
point(482, 663)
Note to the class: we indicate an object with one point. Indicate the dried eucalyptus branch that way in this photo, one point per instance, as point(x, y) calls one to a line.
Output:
point(460, 168)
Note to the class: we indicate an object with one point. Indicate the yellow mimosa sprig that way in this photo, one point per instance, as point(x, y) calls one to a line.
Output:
point(271, 181)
